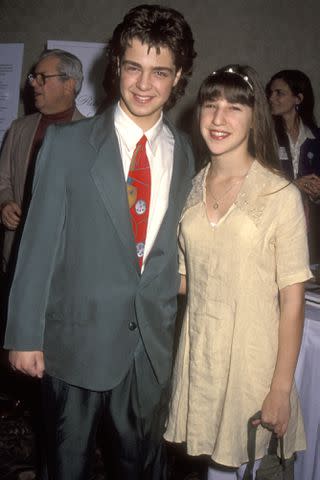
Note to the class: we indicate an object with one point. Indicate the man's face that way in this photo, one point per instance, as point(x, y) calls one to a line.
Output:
point(56, 95)
point(146, 82)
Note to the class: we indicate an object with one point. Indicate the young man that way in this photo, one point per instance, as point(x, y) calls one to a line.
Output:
point(93, 302)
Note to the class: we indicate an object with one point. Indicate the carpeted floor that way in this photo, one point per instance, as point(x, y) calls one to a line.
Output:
point(17, 457)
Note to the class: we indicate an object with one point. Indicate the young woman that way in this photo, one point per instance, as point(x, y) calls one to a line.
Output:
point(243, 261)
point(291, 100)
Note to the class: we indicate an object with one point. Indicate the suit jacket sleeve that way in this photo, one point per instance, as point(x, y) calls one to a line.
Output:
point(38, 249)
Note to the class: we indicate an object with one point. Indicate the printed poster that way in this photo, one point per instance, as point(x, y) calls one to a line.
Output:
point(11, 56)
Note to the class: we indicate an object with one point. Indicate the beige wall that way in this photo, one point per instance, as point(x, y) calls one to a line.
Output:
point(268, 34)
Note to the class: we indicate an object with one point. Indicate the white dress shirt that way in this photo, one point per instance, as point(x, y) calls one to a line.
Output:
point(159, 148)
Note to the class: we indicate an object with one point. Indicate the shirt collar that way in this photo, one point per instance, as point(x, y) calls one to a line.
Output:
point(131, 133)
point(305, 131)
point(304, 134)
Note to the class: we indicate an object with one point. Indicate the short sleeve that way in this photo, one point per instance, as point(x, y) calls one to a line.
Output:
point(181, 245)
point(291, 244)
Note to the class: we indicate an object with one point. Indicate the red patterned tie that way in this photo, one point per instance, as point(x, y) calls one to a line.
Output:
point(139, 189)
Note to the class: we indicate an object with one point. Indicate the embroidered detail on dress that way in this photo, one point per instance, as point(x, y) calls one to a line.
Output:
point(251, 201)
point(252, 198)
point(259, 184)
point(253, 211)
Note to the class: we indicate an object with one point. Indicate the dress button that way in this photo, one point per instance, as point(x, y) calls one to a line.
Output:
point(132, 326)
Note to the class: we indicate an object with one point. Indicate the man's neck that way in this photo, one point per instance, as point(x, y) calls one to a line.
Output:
point(143, 122)
point(65, 109)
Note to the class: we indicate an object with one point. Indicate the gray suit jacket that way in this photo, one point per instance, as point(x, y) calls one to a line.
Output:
point(78, 293)
point(14, 162)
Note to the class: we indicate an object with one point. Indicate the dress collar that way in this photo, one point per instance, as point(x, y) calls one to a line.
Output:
point(258, 184)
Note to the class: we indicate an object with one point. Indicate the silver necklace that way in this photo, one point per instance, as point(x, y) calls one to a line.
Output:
point(217, 201)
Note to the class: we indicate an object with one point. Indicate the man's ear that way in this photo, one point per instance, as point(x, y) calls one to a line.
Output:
point(70, 86)
point(177, 77)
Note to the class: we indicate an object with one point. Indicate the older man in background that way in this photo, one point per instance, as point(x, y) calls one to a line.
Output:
point(56, 81)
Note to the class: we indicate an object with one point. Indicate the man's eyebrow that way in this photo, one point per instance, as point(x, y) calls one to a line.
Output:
point(166, 69)
point(125, 62)
point(136, 64)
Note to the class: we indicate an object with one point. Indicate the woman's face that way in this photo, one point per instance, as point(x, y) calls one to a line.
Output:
point(282, 100)
point(225, 126)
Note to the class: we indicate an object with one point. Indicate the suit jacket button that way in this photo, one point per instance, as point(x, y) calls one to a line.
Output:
point(132, 326)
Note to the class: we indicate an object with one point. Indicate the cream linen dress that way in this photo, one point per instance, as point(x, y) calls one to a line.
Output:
point(229, 339)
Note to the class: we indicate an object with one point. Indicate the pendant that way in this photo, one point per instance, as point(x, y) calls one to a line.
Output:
point(215, 205)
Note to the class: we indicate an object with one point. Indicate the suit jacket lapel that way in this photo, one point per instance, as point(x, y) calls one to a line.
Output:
point(178, 191)
point(77, 115)
point(108, 176)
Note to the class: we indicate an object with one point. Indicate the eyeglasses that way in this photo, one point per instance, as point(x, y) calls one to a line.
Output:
point(41, 78)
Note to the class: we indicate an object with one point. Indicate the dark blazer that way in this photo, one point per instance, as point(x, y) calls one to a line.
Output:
point(78, 294)
point(309, 161)
point(309, 158)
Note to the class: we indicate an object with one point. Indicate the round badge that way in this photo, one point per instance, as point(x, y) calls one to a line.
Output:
point(310, 155)
point(140, 249)
point(140, 207)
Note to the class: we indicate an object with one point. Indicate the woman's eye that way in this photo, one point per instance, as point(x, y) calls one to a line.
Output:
point(235, 108)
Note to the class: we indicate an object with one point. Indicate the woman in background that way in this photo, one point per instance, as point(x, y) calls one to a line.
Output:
point(243, 261)
point(292, 105)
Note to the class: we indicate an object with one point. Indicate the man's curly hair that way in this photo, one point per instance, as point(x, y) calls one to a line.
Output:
point(157, 27)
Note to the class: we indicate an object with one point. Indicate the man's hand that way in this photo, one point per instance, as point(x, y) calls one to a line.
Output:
point(11, 215)
point(30, 363)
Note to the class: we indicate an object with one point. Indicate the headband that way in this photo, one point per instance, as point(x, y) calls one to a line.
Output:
point(233, 72)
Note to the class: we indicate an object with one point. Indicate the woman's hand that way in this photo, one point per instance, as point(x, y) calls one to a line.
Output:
point(309, 184)
point(275, 412)
point(276, 406)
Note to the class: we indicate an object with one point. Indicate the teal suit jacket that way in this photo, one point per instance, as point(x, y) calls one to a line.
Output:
point(77, 293)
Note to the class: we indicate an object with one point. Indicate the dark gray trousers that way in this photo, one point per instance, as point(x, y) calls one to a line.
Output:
point(132, 431)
